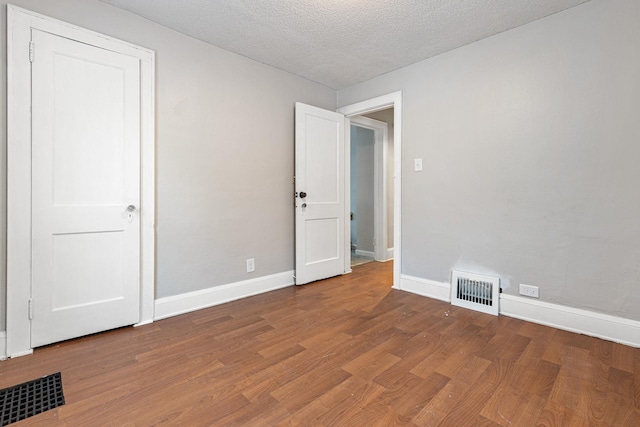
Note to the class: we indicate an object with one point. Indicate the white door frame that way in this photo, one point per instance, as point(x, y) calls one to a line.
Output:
point(20, 22)
point(392, 100)
point(381, 141)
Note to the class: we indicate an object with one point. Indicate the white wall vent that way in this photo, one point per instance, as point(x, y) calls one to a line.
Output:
point(475, 292)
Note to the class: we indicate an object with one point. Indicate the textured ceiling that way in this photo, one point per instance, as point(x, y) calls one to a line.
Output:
point(341, 42)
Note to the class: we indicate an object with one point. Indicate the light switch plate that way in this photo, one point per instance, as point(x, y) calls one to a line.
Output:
point(417, 165)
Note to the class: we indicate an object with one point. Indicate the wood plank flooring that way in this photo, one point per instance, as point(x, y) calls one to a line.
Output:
point(347, 351)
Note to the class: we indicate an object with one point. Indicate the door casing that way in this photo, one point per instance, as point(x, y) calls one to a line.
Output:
point(20, 22)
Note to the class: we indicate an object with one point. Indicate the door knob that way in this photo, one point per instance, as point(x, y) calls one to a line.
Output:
point(303, 194)
point(131, 208)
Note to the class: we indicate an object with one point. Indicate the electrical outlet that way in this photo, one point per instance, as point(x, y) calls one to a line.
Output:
point(251, 265)
point(529, 291)
point(417, 165)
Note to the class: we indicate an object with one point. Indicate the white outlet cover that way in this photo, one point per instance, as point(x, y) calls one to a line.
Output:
point(417, 165)
point(529, 291)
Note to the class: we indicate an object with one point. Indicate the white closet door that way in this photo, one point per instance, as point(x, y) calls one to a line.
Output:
point(86, 189)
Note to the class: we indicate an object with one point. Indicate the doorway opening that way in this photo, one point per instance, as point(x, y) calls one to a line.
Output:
point(367, 107)
point(371, 187)
point(322, 229)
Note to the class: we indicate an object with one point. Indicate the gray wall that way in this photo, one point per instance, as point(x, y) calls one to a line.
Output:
point(531, 149)
point(362, 187)
point(224, 151)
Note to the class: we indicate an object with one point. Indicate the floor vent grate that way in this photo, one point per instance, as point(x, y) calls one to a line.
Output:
point(31, 398)
point(475, 292)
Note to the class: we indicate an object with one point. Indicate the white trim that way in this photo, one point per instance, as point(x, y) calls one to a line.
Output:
point(18, 338)
point(3, 345)
point(20, 22)
point(365, 253)
point(21, 353)
point(346, 245)
point(380, 173)
point(426, 288)
point(389, 254)
point(392, 100)
point(192, 301)
point(3, 348)
point(605, 326)
point(148, 190)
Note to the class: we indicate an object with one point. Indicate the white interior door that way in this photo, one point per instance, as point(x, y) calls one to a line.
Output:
point(320, 198)
point(85, 189)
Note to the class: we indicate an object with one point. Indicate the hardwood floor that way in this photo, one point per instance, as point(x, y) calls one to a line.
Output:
point(347, 351)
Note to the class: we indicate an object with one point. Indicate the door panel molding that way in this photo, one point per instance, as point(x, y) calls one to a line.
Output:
point(20, 23)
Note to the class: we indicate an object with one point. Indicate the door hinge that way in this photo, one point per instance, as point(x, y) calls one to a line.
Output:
point(31, 51)
point(30, 309)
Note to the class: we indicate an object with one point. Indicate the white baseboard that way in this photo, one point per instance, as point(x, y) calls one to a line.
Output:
point(3, 345)
point(426, 288)
point(146, 322)
point(389, 253)
point(365, 253)
point(605, 326)
point(192, 301)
